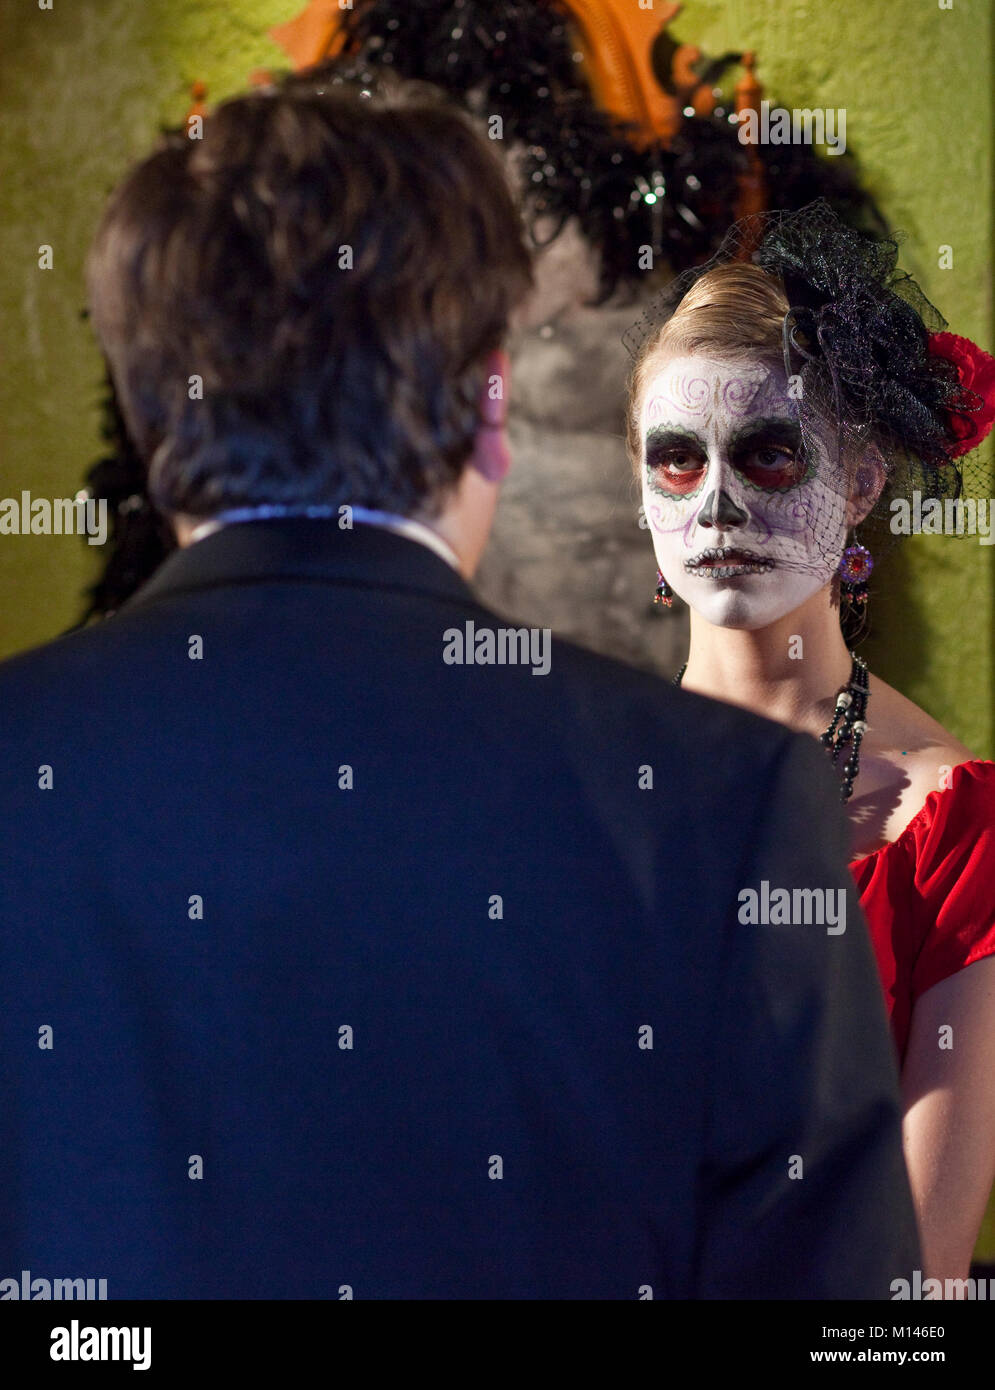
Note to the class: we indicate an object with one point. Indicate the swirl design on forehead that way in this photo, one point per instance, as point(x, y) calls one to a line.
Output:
point(691, 394)
point(738, 394)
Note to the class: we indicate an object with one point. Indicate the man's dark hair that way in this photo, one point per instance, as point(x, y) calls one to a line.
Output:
point(297, 307)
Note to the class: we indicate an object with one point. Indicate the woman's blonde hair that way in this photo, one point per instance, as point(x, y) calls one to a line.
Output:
point(736, 310)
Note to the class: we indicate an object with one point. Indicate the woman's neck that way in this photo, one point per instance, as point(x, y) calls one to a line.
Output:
point(789, 671)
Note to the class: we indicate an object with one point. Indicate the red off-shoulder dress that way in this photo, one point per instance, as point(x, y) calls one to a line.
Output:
point(929, 896)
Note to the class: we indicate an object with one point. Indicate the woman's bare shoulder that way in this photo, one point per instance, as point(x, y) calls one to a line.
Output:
point(905, 755)
point(899, 729)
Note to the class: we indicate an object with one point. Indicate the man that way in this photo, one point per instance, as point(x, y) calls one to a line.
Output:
point(356, 946)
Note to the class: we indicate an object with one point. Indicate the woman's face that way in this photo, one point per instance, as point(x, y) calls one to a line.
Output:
point(746, 522)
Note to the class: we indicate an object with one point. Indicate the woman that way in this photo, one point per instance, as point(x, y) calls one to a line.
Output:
point(779, 400)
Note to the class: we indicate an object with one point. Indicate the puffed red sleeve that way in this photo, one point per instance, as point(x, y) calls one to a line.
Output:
point(955, 875)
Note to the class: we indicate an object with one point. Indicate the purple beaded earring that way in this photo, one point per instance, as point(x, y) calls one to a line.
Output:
point(664, 593)
point(855, 570)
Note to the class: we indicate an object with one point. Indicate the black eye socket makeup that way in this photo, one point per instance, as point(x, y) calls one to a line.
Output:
point(662, 438)
point(768, 452)
point(676, 459)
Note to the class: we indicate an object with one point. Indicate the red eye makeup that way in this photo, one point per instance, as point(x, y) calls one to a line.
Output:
point(767, 453)
point(675, 460)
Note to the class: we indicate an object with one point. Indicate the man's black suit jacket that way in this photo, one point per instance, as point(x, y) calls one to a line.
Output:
point(335, 969)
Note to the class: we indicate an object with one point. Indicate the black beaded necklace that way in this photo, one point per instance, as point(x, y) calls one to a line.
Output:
point(848, 724)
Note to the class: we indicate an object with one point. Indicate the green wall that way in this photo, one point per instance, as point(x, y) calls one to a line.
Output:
point(85, 87)
point(84, 90)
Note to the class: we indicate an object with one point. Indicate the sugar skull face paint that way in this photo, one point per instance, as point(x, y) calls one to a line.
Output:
point(744, 505)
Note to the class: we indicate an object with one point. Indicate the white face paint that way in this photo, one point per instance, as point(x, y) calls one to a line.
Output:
point(744, 520)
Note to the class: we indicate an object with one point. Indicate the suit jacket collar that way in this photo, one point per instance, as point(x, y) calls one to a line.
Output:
point(302, 548)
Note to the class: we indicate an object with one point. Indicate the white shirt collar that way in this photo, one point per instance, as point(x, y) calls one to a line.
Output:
point(403, 525)
point(414, 530)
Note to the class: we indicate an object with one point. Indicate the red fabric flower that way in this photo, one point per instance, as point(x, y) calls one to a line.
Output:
point(976, 370)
